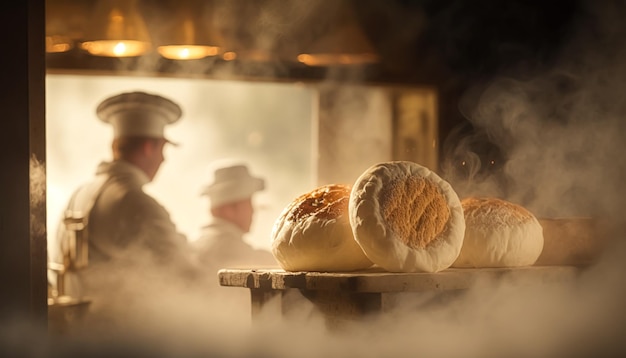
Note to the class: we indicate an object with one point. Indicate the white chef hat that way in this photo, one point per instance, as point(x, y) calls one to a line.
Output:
point(138, 114)
point(230, 181)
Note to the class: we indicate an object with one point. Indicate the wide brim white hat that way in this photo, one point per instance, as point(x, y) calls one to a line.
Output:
point(230, 181)
point(138, 114)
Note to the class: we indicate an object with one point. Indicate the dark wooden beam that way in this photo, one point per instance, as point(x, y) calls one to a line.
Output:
point(23, 292)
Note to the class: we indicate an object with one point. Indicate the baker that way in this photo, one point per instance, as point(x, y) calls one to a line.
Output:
point(111, 227)
point(229, 189)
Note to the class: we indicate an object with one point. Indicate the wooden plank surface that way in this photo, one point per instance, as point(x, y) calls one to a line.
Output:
point(378, 280)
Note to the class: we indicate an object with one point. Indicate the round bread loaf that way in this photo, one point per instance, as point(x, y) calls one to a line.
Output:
point(499, 233)
point(406, 218)
point(313, 233)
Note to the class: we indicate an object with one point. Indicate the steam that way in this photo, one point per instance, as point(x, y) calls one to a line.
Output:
point(266, 37)
point(560, 137)
point(560, 145)
point(172, 317)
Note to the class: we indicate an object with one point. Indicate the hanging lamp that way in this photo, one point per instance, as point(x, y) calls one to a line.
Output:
point(342, 43)
point(189, 36)
point(117, 29)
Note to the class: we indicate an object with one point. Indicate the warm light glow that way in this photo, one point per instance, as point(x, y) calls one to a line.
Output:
point(188, 36)
point(72, 98)
point(254, 55)
point(329, 59)
point(117, 29)
point(229, 56)
point(249, 55)
point(56, 44)
point(112, 48)
point(182, 52)
point(343, 43)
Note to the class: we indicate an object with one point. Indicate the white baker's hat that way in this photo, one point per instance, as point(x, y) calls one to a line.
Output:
point(138, 114)
point(230, 181)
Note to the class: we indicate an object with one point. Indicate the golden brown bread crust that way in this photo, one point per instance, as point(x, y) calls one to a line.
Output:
point(498, 233)
point(416, 209)
point(326, 202)
point(493, 211)
point(406, 218)
point(313, 233)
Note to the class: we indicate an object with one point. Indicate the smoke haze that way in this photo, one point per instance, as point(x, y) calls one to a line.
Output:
point(558, 134)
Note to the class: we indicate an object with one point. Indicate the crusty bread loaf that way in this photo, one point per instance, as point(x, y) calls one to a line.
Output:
point(313, 233)
point(498, 233)
point(406, 218)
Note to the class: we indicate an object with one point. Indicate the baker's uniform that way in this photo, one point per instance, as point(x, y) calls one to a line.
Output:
point(221, 243)
point(110, 224)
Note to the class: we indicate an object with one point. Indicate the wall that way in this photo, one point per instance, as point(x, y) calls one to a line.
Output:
point(268, 125)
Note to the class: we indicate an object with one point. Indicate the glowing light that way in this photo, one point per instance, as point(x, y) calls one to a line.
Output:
point(119, 49)
point(55, 44)
point(117, 29)
point(229, 56)
point(187, 52)
point(329, 59)
point(116, 48)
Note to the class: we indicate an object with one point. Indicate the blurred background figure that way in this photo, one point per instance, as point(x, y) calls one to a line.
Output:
point(111, 229)
point(221, 244)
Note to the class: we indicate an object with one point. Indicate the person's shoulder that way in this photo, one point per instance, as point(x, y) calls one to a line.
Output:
point(136, 199)
point(142, 197)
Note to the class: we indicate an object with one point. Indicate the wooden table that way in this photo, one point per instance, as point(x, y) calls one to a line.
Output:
point(356, 294)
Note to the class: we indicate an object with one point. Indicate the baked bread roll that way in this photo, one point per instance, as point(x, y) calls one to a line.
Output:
point(499, 233)
point(406, 218)
point(313, 233)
